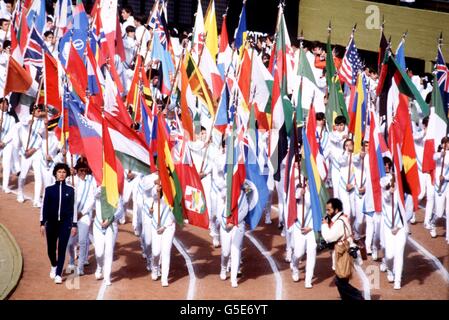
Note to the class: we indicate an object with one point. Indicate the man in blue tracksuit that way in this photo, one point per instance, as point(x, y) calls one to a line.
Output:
point(58, 219)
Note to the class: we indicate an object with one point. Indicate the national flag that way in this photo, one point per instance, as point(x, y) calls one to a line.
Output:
point(282, 109)
point(171, 186)
point(400, 55)
point(193, 196)
point(351, 64)
point(234, 170)
point(210, 26)
point(442, 72)
point(221, 120)
point(383, 45)
point(36, 16)
point(108, 17)
point(63, 15)
point(199, 34)
point(19, 32)
point(76, 72)
point(52, 83)
point(35, 48)
point(436, 130)
point(336, 103)
point(168, 69)
point(109, 185)
point(318, 192)
point(261, 84)
point(224, 58)
point(403, 149)
point(240, 32)
point(17, 78)
point(254, 177)
point(376, 167)
point(95, 78)
point(198, 84)
point(313, 143)
point(357, 112)
point(187, 121)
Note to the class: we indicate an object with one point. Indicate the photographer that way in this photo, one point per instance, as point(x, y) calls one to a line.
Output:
point(335, 229)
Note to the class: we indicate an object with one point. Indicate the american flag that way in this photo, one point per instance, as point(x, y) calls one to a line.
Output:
point(351, 64)
point(442, 76)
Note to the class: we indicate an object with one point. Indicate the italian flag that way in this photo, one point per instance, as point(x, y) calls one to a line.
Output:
point(436, 130)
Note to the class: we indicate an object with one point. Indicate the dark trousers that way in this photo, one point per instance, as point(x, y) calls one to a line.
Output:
point(58, 235)
point(347, 292)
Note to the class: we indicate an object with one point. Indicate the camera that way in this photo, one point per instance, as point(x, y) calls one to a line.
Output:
point(328, 218)
point(353, 252)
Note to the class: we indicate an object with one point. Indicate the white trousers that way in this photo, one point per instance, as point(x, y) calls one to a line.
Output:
point(83, 239)
point(430, 198)
point(304, 244)
point(26, 164)
point(231, 247)
point(104, 249)
point(212, 210)
point(161, 245)
point(348, 200)
point(372, 240)
point(359, 216)
point(335, 177)
point(145, 237)
point(8, 160)
point(394, 251)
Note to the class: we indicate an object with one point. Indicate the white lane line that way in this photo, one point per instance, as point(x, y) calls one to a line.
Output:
point(192, 278)
point(440, 268)
point(365, 282)
point(272, 263)
point(429, 256)
point(103, 287)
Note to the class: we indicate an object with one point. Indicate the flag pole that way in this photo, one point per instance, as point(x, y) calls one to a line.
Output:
point(32, 115)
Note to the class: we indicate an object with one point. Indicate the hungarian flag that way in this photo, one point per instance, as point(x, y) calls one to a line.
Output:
point(17, 78)
point(171, 186)
point(436, 130)
point(109, 185)
point(403, 149)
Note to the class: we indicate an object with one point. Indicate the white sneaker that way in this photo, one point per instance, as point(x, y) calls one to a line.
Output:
point(383, 267)
point(216, 242)
point(288, 256)
point(122, 221)
point(295, 275)
point(20, 199)
point(268, 220)
point(7, 190)
point(390, 276)
point(52, 272)
point(223, 275)
point(154, 275)
point(70, 268)
point(37, 204)
point(107, 282)
point(427, 226)
point(433, 232)
point(234, 283)
point(98, 274)
point(144, 255)
point(413, 219)
point(80, 272)
point(164, 283)
point(58, 280)
point(308, 285)
point(374, 255)
point(397, 285)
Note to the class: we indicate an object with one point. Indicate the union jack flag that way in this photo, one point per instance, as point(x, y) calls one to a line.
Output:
point(443, 79)
point(35, 49)
point(351, 64)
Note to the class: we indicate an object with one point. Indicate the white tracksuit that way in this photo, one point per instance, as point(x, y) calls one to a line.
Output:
point(346, 162)
point(8, 153)
point(394, 243)
point(304, 243)
point(161, 244)
point(33, 161)
point(231, 240)
point(359, 198)
point(104, 239)
point(335, 150)
point(218, 183)
point(85, 201)
point(53, 151)
point(440, 193)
